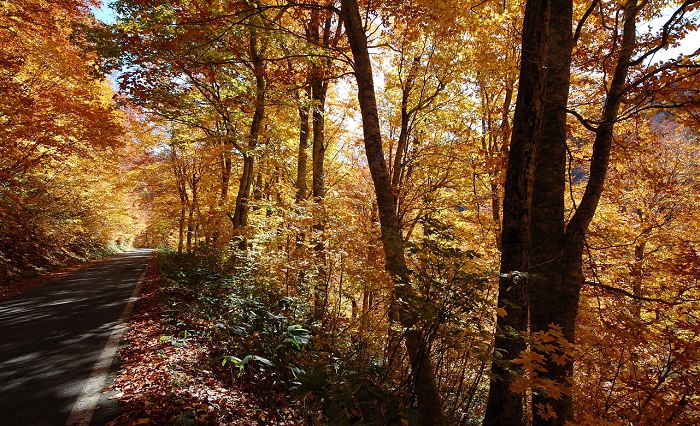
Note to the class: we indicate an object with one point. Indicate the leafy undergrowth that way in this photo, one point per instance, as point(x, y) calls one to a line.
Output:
point(177, 379)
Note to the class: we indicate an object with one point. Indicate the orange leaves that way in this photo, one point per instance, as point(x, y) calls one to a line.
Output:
point(49, 104)
point(547, 350)
point(545, 411)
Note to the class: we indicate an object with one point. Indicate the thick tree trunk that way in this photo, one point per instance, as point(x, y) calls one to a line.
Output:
point(559, 271)
point(504, 407)
point(429, 404)
point(547, 228)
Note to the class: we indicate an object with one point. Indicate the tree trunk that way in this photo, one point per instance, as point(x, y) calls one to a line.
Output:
point(559, 272)
point(302, 159)
point(318, 94)
point(504, 407)
point(190, 230)
point(319, 33)
point(428, 397)
point(547, 228)
point(637, 276)
point(181, 232)
point(240, 216)
point(193, 206)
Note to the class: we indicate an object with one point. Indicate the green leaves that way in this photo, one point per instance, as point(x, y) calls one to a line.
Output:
point(296, 336)
point(241, 363)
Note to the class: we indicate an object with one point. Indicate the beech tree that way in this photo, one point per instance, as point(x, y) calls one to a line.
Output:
point(556, 261)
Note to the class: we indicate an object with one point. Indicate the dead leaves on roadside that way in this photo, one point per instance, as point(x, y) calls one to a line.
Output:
point(161, 382)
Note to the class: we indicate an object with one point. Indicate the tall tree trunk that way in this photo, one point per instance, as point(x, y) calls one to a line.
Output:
point(194, 181)
point(404, 132)
point(558, 262)
point(547, 228)
point(240, 216)
point(637, 276)
point(575, 233)
point(318, 94)
point(302, 158)
point(190, 230)
point(504, 407)
point(319, 33)
point(225, 165)
point(429, 404)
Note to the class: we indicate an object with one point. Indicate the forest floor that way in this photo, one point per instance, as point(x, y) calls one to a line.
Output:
point(167, 379)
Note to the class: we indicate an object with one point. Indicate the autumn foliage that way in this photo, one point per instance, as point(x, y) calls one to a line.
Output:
point(361, 216)
point(64, 189)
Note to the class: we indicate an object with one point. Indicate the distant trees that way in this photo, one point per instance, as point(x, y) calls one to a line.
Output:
point(56, 125)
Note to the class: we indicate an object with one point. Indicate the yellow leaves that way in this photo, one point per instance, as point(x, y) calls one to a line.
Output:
point(501, 312)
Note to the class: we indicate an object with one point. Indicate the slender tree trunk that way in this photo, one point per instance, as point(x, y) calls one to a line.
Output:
point(181, 232)
point(240, 216)
point(193, 206)
point(318, 94)
point(504, 407)
point(548, 202)
point(319, 33)
point(225, 165)
point(302, 158)
point(225, 174)
point(402, 143)
point(637, 276)
point(429, 404)
point(190, 230)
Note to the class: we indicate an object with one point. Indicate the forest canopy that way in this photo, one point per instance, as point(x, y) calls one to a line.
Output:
point(449, 212)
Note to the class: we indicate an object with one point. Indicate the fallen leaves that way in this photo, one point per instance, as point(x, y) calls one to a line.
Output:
point(162, 382)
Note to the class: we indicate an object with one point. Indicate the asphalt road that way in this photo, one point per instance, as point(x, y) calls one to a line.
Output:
point(52, 338)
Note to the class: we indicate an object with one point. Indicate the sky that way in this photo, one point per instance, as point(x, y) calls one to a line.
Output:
point(689, 45)
point(104, 14)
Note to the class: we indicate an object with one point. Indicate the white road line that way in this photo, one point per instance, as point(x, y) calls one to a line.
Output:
point(84, 406)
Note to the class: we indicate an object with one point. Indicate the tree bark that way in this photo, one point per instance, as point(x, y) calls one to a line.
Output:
point(181, 230)
point(240, 216)
point(302, 158)
point(558, 251)
point(547, 228)
point(428, 397)
point(319, 34)
point(504, 407)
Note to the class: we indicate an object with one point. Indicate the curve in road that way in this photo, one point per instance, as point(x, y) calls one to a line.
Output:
point(53, 338)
